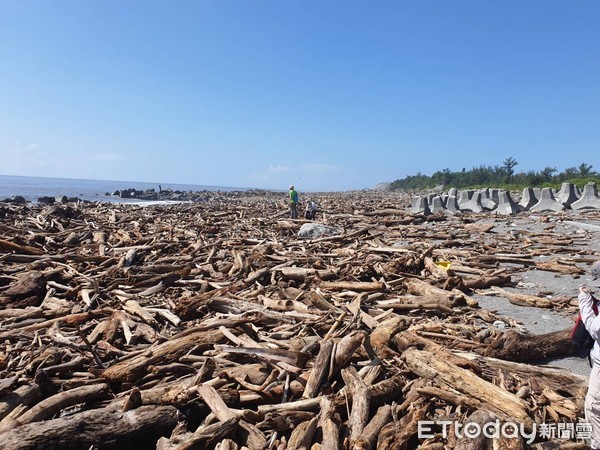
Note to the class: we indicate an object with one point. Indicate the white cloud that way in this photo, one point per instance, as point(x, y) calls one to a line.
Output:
point(307, 176)
point(24, 158)
point(270, 174)
point(278, 169)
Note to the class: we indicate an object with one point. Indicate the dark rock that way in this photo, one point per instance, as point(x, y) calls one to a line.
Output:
point(46, 200)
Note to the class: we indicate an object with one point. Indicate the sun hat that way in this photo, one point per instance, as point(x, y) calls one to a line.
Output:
point(291, 186)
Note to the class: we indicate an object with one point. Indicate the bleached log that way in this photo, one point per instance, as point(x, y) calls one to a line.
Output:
point(302, 436)
point(319, 370)
point(447, 375)
point(51, 405)
point(361, 397)
point(369, 435)
point(137, 428)
point(344, 350)
point(359, 286)
point(131, 368)
point(330, 429)
point(27, 395)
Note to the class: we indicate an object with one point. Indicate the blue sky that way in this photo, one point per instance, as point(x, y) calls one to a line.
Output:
point(328, 95)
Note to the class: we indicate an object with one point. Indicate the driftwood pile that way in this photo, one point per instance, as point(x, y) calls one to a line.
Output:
point(211, 325)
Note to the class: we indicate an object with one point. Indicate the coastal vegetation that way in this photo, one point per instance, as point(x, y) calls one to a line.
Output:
point(501, 176)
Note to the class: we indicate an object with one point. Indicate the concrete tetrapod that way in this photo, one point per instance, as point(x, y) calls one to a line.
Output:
point(452, 204)
point(567, 195)
point(437, 205)
point(420, 206)
point(506, 205)
point(495, 195)
point(463, 198)
point(472, 205)
point(486, 202)
point(589, 198)
point(547, 202)
point(528, 199)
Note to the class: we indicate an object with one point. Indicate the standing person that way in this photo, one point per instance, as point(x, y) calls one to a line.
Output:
point(592, 325)
point(293, 203)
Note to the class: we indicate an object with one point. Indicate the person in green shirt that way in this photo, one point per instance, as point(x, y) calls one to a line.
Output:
point(293, 203)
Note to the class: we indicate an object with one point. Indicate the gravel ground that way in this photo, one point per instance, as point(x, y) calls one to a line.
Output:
point(586, 234)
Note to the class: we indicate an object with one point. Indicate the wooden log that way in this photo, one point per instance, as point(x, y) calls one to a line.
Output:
point(318, 301)
point(12, 247)
point(552, 377)
point(27, 395)
point(251, 436)
point(437, 272)
point(359, 286)
point(449, 396)
point(480, 418)
point(380, 338)
point(302, 436)
point(396, 436)
point(309, 404)
point(330, 429)
point(52, 405)
point(447, 375)
point(319, 370)
point(486, 281)
point(138, 428)
point(301, 273)
point(514, 346)
point(204, 437)
point(369, 435)
point(71, 319)
point(418, 304)
point(509, 259)
point(557, 266)
point(28, 290)
point(130, 369)
point(294, 361)
point(7, 384)
point(344, 350)
point(284, 305)
point(361, 397)
point(523, 299)
point(355, 309)
point(216, 404)
point(226, 444)
point(432, 293)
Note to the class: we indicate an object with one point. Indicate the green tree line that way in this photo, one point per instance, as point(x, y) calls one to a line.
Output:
point(502, 176)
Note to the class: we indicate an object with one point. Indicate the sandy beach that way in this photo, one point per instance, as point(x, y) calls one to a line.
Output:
point(215, 323)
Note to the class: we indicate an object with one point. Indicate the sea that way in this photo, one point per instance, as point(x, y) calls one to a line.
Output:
point(31, 188)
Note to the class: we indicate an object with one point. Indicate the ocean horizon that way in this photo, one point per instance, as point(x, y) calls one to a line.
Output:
point(31, 188)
